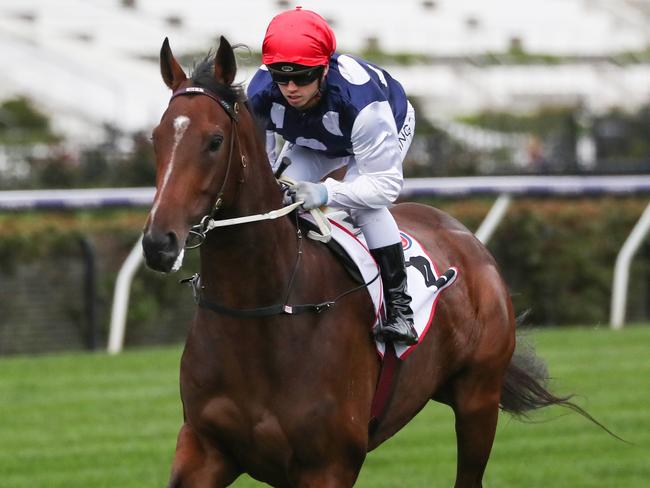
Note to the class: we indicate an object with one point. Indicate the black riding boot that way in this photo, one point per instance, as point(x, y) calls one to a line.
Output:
point(398, 326)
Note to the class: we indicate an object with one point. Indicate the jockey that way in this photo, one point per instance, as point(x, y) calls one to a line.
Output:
point(334, 110)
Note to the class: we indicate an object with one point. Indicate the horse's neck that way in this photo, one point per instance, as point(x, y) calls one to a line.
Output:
point(258, 189)
point(251, 264)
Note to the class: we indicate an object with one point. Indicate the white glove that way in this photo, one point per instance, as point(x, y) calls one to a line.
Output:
point(312, 194)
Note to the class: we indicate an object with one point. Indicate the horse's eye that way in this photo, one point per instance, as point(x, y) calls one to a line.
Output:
point(215, 143)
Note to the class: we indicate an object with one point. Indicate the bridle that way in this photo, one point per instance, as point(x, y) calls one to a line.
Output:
point(233, 112)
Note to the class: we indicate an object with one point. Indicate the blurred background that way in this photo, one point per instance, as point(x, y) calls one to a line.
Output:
point(501, 88)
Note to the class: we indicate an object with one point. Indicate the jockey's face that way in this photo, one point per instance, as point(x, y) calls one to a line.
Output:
point(302, 97)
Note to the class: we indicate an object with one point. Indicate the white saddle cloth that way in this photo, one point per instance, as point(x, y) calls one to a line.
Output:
point(420, 270)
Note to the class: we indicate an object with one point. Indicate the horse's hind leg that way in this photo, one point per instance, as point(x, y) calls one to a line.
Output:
point(476, 407)
point(198, 465)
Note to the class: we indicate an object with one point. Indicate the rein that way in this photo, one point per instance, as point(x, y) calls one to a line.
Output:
point(208, 222)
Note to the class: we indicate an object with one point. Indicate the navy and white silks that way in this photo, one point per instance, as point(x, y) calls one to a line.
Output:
point(363, 122)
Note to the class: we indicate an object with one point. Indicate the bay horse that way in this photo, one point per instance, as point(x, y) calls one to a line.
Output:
point(286, 397)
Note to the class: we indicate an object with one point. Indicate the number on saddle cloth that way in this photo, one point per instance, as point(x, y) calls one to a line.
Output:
point(424, 267)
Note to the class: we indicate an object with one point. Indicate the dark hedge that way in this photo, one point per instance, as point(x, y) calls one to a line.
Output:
point(557, 257)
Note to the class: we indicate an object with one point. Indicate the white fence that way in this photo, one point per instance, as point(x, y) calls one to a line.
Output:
point(505, 188)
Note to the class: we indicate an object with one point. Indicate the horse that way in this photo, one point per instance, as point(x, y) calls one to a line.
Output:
point(287, 397)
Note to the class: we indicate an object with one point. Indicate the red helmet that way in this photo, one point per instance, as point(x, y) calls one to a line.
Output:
point(299, 37)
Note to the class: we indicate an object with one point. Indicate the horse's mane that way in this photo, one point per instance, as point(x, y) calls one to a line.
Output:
point(203, 75)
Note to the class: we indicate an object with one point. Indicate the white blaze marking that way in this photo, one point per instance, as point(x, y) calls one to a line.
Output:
point(181, 123)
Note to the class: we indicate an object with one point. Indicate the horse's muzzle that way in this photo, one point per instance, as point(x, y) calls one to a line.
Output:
point(160, 250)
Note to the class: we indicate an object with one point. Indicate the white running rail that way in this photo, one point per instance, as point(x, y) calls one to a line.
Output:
point(493, 218)
point(121, 298)
point(622, 269)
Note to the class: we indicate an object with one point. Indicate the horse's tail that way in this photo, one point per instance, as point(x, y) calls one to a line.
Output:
point(525, 387)
point(525, 384)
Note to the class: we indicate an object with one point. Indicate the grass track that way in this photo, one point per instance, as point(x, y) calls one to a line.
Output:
point(87, 420)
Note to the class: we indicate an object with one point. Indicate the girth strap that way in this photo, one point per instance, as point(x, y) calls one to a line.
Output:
point(277, 309)
point(265, 311)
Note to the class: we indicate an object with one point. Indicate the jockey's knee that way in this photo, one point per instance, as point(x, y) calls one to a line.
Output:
point(378, 226)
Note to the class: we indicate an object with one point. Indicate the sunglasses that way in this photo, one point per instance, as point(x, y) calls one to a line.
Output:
point(301, 79)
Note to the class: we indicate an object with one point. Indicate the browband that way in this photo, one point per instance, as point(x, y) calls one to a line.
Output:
point(197, 90)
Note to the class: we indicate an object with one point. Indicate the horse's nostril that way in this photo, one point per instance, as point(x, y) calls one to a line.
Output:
point(172, 241)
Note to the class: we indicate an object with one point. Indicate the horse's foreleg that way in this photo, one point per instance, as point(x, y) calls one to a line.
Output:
point(198, 465)
point(476, 407)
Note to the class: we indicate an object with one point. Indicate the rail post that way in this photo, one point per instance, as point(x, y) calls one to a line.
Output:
point(121, 298)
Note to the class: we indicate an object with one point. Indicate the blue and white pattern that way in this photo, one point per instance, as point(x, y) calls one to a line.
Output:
point(331, 123)
point(363, 121)
point(350, 87)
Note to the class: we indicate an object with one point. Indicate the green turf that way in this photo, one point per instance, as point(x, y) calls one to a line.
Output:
point(97, 421)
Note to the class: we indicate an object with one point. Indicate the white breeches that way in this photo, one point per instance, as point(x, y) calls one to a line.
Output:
point(357, 187)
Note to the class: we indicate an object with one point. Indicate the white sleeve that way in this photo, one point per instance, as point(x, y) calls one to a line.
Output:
point(270, 147)
point(378, 162)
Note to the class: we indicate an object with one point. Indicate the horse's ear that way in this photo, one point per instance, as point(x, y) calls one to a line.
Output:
point(171, 71)
point(225, 65)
